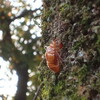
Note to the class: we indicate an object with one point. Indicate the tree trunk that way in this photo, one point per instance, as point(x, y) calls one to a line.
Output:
point(76, 23)
point(22, 72)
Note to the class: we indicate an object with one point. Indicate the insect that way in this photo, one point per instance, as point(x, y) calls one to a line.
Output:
point(53, 55)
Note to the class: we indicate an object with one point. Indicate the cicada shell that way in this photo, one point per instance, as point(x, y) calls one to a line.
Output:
point(53, 53)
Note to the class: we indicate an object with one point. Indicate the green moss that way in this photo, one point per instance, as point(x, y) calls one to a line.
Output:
point(98, 39)
point(82, 72)
point(76, 97)
point(64, 10)
point(78, 44)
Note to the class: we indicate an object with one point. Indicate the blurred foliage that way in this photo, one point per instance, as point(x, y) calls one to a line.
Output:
point(20, 31)
point(77, 24)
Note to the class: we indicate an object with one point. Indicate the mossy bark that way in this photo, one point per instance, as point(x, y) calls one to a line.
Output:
point(77, 24)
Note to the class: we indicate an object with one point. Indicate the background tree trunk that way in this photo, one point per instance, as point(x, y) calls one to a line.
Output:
point(22, 72)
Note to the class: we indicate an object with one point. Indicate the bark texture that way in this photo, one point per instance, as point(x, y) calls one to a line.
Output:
point(77, 24)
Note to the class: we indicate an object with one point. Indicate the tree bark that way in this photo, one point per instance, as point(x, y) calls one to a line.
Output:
point(22, 72)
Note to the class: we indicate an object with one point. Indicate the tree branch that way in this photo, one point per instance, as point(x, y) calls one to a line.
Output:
point(38, 91)
point(25, 12)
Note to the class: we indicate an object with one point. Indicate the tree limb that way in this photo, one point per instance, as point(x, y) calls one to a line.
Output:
point(25, 12)
point(38, 91)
